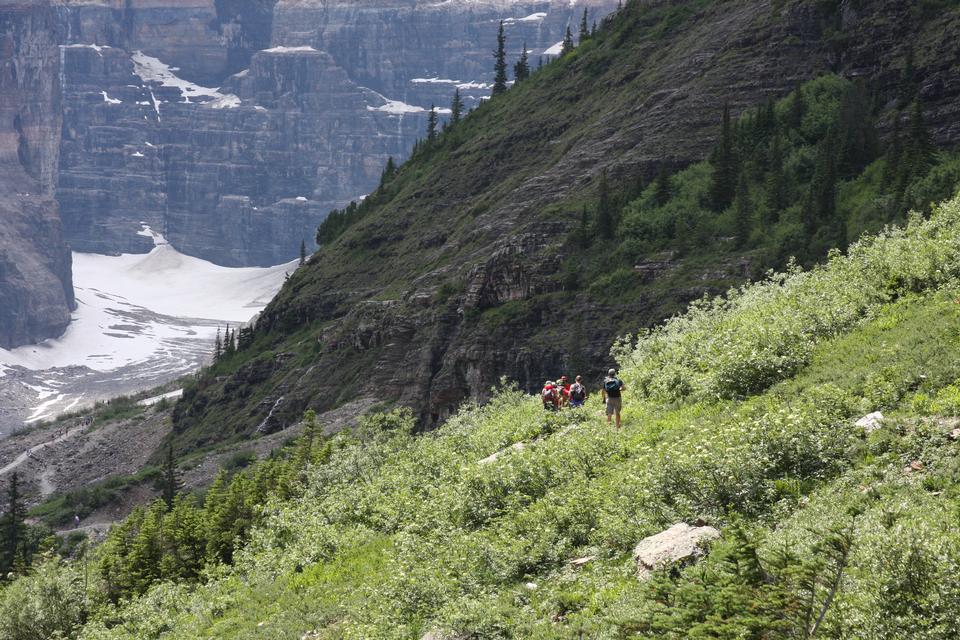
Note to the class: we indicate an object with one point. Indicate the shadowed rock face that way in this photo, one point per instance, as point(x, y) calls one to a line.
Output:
point(324, 93)
point(36, 293)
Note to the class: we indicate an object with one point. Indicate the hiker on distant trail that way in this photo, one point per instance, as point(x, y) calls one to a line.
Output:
point(549, 396)
point(563, 392)
point(76, 519)
point(578, 393)
point(612, 388)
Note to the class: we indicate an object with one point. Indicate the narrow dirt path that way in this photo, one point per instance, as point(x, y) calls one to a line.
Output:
point(33, 452)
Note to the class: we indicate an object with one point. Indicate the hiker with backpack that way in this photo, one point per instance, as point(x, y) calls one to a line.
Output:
point(578, 393)
point(549, 396)
point(612, 388)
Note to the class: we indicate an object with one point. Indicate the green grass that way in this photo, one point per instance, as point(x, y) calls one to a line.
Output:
point(396, 534)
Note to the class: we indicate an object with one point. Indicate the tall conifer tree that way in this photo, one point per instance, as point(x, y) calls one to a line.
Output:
point(521, 70)
point(584, 27)
point(456, 108)
point(432, 124)
point(723, 184)
point(500, 63)
point(567, 42)
point(605, 219)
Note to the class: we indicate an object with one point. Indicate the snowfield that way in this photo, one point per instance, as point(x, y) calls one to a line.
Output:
point(141, 320)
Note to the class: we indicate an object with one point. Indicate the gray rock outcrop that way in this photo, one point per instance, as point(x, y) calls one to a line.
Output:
point(680, 543)
point(295, 109)
point(36, 290)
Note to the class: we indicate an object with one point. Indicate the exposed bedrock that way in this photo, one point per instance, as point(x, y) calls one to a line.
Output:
point(251, 119)
point(36, 293)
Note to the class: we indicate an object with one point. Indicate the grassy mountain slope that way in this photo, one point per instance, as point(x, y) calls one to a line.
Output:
point(392, 534)
point(463, 268)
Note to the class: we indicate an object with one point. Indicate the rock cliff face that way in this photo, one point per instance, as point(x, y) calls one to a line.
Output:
point(311, 100)
point(36, 293)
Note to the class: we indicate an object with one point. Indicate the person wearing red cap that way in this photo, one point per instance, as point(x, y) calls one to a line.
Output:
point(549, 396)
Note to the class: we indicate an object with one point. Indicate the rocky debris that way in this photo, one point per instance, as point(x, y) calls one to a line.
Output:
point(516, 446)
point(680, 543)
point(914, 466)
point(655, 266)
point(440, 634)
point(954, 434)
point(870, 422)
point(576, 563)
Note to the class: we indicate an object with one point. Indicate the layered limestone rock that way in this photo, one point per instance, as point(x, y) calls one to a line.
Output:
point(36, 293)
point(239, 169)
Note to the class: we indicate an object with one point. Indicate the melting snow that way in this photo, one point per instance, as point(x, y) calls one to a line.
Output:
point(433, 81)
point(290, 50)
point(474, 85)
point(533, 17)
point(147, 402)
point(228, 101)
point(110, 100)
point(397, 107)
point(96, 47)
point(137, 154)
point(554, 50)
point(125, 304)
point(151, 69)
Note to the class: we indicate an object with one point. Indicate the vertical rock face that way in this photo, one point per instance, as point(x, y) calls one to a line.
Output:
point(295, 109)
point(36, 293)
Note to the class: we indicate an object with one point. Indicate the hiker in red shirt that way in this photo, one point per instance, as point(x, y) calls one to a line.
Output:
point(563, 389)
point(550, 396)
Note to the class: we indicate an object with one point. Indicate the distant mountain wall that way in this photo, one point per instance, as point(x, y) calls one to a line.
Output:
point(318, 96)
point(36, 292)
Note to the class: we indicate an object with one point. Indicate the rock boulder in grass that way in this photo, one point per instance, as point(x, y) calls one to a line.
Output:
point(870, 422)
point(680, 543)
point(439, 634)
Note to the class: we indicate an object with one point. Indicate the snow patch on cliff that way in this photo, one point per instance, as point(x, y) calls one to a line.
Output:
point(281, 49)
point(533, 17)
point(151, 69)
point(110, 100)
point(554, 50)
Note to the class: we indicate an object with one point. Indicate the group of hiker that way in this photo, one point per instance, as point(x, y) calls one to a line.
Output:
point(562, 394)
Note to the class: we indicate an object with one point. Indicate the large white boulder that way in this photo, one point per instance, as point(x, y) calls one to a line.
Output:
point(680, 542)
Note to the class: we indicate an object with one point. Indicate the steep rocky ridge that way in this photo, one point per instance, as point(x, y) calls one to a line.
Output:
point(455, 279)
point(36, 293)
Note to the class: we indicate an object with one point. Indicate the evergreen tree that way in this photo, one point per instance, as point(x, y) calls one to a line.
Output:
point(662, 187)
point(521, 70)
point(170, 478)
point(776, 181)
point(14, 528)
point(918, 152)
point(500, 64)
point(742, 211)
point(217, 348)
point(605, 215)
point(456, 109)
point(244, 338)
point(389, 171)
point(797, 110)
point(583, 231)
point(303, 252)
point(891, 169)
point(567, 42)
point(584, 29)
point(858, 144)
point(822, 199)
point(432, 124)
point(723, 184)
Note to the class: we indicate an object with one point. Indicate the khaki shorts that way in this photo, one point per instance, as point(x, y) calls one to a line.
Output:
point(614, 405)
